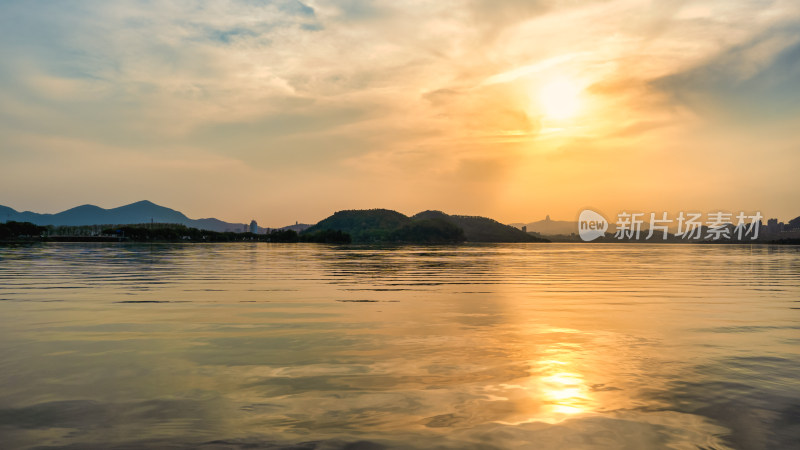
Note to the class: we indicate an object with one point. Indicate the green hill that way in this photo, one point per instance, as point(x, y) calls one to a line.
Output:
point(367, 225)
point(482, 229)
point(387, 226)
point(428, 231)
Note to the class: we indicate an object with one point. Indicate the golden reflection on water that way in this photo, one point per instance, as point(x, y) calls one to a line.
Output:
point(455, 347)
point(555, 389)
point(562, 389)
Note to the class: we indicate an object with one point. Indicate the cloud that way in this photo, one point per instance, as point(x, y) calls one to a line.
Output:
point(754, 81)
point(523, 71)
point(406, 94)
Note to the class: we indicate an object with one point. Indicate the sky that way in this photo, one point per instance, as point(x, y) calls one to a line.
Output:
point(288, 111)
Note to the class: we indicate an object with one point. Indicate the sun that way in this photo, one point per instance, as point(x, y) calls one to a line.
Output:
point(560, 99)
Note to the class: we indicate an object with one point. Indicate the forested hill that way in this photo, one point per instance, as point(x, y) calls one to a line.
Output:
point(482, 229)
point(383, 225)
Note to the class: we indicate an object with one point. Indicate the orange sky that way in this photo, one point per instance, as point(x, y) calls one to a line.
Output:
point(285, 111)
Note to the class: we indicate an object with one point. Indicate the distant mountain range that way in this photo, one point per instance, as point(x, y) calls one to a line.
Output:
point(139, 212)
point(476, 229)
point(376, 225)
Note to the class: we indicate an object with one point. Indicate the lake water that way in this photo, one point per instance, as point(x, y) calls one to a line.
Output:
point(308, 346)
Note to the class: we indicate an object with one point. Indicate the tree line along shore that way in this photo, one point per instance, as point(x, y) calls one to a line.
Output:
point(374, 226)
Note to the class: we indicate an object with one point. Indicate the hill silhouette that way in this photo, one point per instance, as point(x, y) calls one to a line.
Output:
point(384, 225)
point(139, 212)
point(481, 229)
point(370, 225)
point(549, 227)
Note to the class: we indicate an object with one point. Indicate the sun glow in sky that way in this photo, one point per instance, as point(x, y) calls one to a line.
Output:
point(560, 99)
point(290, 110)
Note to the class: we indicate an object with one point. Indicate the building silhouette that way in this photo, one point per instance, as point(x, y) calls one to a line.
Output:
point(772, 226)
point(254, 226)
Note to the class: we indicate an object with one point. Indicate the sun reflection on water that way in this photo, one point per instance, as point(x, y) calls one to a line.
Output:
point(563, 392)
point(556, 388)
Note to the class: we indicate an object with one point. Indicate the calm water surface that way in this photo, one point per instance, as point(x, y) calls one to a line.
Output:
point(472, 347)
